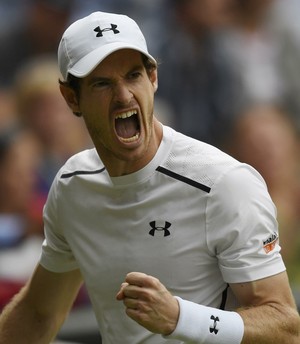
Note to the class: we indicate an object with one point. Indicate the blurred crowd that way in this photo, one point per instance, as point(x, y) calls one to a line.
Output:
point(229, 75)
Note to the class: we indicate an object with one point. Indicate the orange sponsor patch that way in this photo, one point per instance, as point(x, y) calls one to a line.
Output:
point(270, 243)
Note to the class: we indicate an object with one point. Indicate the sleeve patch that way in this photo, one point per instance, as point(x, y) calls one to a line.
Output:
point(270, 243)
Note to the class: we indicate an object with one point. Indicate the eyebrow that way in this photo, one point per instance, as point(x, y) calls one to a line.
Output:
point(137, 67)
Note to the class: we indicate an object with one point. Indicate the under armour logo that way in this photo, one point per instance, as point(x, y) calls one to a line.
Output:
point(213, 329)
point(160, 228)
point(113, 28)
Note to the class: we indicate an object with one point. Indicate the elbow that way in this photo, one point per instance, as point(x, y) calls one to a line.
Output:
point(292, 327)
point(297, 328)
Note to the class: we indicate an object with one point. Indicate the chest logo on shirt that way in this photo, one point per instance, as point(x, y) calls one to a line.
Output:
point(157, 228)
point(270, 243)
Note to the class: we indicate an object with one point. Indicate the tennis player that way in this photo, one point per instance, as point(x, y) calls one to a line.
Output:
point(176, 241)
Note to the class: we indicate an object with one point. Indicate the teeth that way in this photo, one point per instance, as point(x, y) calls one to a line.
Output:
point(126, 114)
point(130, 139)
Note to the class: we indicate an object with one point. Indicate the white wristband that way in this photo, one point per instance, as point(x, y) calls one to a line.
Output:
point(200, 324)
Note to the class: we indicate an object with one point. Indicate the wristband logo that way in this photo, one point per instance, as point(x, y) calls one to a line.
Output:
point(213, 328)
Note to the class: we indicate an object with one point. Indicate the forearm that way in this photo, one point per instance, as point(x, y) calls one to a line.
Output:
point(261, 324)
point(20, 324)
point(270, 316)
point(264, 324)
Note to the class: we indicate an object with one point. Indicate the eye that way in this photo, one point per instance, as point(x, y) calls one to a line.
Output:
point(135, 75)
point(100, 84)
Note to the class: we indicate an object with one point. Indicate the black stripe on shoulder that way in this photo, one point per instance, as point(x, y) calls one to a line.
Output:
point(183, 179)
point(76, 173)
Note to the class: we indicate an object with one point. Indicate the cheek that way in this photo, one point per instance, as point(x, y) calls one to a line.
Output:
point(95, 110)
point(99, 129)
point(145, 98)
point(93, 125)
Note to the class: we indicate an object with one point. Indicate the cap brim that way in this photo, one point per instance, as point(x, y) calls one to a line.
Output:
point(88, 63)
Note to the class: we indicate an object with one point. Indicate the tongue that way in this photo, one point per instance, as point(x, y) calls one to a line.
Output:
point(126, 128)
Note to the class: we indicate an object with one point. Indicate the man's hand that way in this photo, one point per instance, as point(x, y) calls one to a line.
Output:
point(149, 303)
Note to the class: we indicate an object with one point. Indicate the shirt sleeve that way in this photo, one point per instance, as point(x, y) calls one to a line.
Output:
point(242, 229)
point(56, 254)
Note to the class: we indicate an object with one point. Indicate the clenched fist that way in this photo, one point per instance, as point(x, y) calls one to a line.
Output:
point(149, 303)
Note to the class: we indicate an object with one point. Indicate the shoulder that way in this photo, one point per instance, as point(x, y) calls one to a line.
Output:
point(241, 186)
point(197, 160)
point(84, 162)
point(233, 185)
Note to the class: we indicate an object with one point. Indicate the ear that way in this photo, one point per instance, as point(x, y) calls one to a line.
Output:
point(70, 98)
point(154, 79)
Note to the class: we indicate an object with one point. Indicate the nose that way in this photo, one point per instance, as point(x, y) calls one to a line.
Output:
point(122, 93)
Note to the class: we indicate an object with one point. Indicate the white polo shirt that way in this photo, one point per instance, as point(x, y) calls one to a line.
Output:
point(194, 217)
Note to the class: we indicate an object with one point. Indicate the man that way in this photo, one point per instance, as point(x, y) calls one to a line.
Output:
point(188, 232)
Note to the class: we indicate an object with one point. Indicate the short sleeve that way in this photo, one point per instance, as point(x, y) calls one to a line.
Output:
point(242, 229)
point(56, 253)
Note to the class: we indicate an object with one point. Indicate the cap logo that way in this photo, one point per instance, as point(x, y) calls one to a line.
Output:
point(113, 28)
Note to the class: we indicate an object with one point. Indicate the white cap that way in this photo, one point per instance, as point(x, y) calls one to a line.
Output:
point(89, 40)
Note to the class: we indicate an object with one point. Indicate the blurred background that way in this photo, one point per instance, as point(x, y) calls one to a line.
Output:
point(229, 75)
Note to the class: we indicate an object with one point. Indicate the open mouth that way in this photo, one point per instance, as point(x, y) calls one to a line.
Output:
point(127, 126)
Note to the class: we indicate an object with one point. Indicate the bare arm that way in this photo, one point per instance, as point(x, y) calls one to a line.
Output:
point(268, 309)
point(37, 312)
